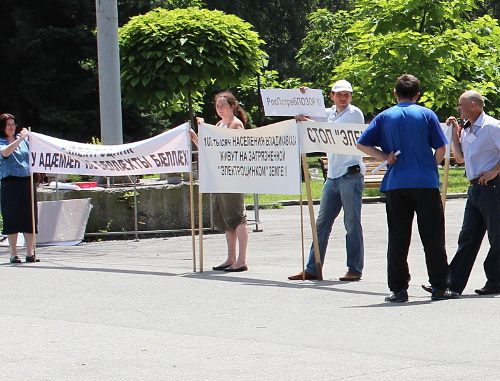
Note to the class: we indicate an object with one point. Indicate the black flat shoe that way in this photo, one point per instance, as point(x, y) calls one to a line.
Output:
point(398, 297)
point(220, 268)
point(15, 259)
point(427, 288)
point(31, 259)
point(444, 294)
point(236, 270)
point(487, 290)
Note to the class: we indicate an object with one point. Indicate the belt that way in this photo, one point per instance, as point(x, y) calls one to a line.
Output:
point(354, 169)
point(489, 183)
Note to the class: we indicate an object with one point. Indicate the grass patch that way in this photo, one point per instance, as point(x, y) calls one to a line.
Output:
point(457, 183)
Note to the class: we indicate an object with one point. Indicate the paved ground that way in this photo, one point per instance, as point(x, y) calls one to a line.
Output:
point(125, 310)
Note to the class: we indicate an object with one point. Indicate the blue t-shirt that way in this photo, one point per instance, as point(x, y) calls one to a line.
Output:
point(415, 131)
point(16, 164)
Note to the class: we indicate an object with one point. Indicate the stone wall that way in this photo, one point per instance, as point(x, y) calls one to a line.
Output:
point(160, 207)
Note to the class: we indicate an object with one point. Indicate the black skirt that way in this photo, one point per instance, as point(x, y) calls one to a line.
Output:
point(16, 205)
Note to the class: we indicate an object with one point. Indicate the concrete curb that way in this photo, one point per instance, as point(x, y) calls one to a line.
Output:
point(366, 200)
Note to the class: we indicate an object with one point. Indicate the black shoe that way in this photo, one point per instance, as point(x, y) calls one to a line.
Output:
point(488, 290)
point(237, 269)
point(220, 268)
point(427, 288)
point(32, 259)
point(400, 296)
point(15, 259)
point(444, 294)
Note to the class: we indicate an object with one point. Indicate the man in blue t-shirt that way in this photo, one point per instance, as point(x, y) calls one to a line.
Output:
point(411, 185)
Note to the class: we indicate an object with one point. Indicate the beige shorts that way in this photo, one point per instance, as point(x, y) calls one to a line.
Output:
point(228, 210)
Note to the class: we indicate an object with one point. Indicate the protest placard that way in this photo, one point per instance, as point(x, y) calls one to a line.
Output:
point(447, 130)
point(291, 102)
point(165, 153)
point(330, 137)
point(261, 160)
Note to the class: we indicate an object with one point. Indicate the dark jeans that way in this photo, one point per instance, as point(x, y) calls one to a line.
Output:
point(401, 206)
point(482, 214)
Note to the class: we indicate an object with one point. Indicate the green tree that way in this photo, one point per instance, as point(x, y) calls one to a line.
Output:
point(169, 56)
point(281, 24)
point(48, 76)
point(489, 7)
point(437, 41)
point(46, 79)
point(327, 39)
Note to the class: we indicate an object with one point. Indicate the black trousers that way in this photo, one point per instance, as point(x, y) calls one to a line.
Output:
point(482, 214)
point(401, 206)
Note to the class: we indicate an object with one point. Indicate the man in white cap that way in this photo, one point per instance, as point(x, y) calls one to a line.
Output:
point(343, 189)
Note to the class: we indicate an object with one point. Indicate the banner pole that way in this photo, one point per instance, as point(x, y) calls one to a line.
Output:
point(135, 211)
point(193, 226)
point(33, 211)
point(444, 187)
point(200, 226)
point(302, 235)
point(305, 168)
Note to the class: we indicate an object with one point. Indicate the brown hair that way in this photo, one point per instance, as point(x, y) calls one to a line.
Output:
point(3, 123)
point(231, 100)
point(407, 86)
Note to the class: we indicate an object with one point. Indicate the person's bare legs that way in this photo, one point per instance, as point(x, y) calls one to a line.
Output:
point(29, 240)
point(241, 235)
point(12, 238)
point(231, 239)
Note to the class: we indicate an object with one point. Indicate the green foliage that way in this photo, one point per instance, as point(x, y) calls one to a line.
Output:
point(44, 78)
point(281, 24)
point(167, 55)
point(434, 40)
point(328, 40)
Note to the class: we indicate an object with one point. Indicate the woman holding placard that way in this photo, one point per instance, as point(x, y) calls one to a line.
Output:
point(228, 209)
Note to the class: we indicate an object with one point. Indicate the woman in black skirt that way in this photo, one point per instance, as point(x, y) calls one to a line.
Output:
point(16, 189)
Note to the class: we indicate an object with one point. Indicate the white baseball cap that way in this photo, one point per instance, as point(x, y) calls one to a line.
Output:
point(341, 85)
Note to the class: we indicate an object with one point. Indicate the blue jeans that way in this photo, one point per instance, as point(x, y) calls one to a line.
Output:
point(481, 215)
point(343, 192)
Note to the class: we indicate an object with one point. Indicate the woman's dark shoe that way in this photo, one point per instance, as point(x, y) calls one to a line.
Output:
point(15, 259)
point(31, 259)
point(237, 269)
point(220, 268)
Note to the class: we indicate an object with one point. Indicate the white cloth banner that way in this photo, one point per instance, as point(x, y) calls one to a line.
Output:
point(291, 102)
point(167, 152)
point(261, 160)
point(330, 137)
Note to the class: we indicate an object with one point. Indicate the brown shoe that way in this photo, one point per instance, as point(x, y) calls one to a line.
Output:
point(350, 277)
point(303, 275)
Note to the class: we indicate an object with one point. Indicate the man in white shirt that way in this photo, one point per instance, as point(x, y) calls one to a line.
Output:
point(343, 189)
point(478, 145)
